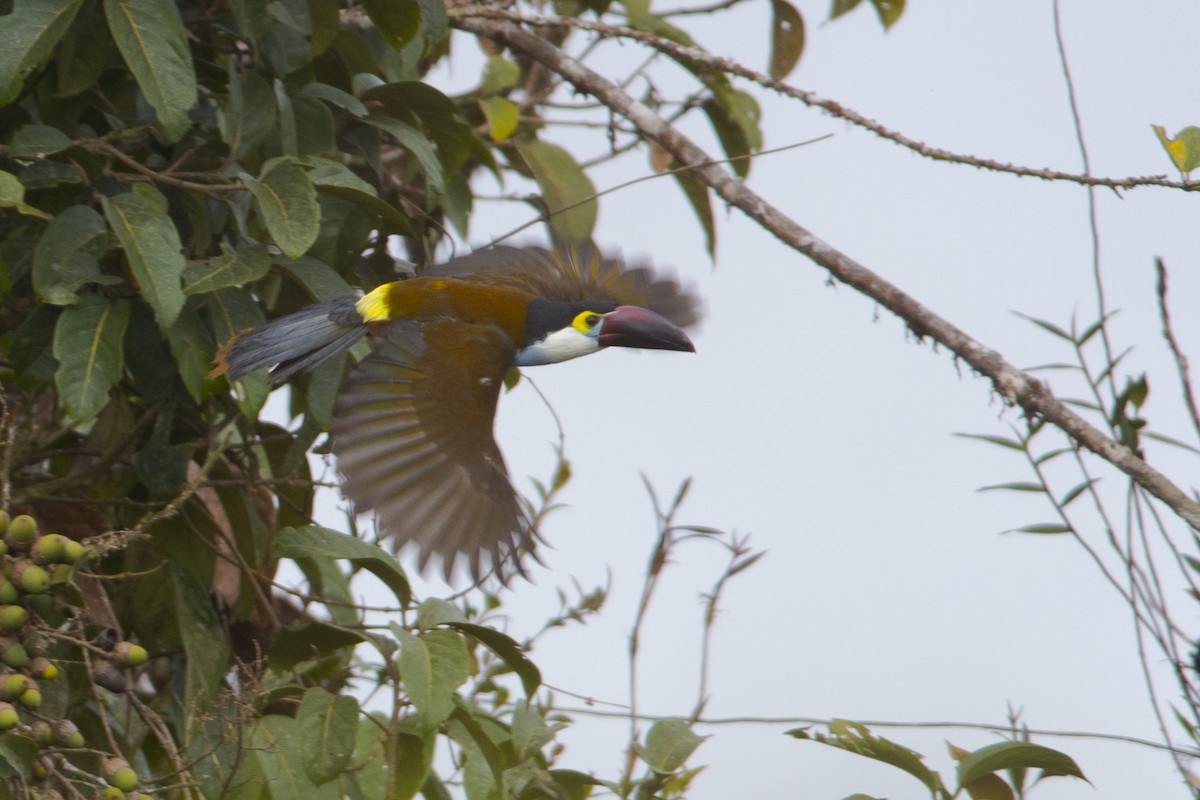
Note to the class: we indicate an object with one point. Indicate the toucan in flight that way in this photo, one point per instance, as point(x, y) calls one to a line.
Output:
point(412, 424)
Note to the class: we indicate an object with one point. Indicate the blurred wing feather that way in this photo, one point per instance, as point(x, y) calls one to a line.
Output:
point(413, 436)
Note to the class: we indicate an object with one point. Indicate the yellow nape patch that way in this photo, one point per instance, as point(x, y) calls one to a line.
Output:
point(374, 306)
point(586, 321)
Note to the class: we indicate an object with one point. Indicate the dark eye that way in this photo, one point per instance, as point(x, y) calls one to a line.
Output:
point(592, 320)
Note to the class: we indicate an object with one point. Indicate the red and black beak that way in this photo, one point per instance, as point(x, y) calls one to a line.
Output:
point(631, 326)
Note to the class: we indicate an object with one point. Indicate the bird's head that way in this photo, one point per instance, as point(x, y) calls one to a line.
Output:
point(561, 331)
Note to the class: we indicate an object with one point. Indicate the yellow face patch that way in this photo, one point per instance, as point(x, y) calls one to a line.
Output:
point(586, 321)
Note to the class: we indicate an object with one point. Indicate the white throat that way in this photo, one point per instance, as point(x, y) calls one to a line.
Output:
point(561, 345)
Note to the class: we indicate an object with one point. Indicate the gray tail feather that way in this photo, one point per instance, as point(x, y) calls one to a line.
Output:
point(293, 343)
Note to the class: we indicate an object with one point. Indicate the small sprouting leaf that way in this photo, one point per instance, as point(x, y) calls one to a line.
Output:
point(669, 743)
point(326, 726)
point(507, 649)
point(1184, 149)
point(1044, 527)
point(1015, 486)
point(247, 263)
point(1158, 437)
point(89, 345)
point(1052, 454)
point(150, 239)
point(1075, 492)
point(888, 10)
point(153, 42)
point(1012, 444)
point(313, 541)
point(1015, 755)
point(287, 203)
point(502, 116)
point(569, 194)
point(1049, 327)
point(787, 38)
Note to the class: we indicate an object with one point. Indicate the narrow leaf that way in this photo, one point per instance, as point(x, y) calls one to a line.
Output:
point(1045, 527)
point(89, 345)
point(1012, 444)
point(152, 248)
point(153, 42)
point(697, 194)
point(1015, 486)
point(1075, 492)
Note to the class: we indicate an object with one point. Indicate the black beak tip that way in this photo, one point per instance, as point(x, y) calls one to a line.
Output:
point(631, 326)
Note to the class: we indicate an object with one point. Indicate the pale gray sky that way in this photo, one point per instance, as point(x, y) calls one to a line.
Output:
point(810, 420)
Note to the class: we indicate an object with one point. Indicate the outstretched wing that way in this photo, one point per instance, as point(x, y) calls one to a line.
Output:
point(573, 274)
point(412, 432)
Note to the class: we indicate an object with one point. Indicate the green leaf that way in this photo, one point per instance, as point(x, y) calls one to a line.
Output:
point(287, 204)
point(432, 665)
point(1045, 527)
point(337, 180)
point(204, 641)
point(12, 195)
point(153, 42)
point(38, 141)
point(888, 10)
point(332, 94)
point(787, 38)
point(499, 75)
point(88, 343)
point(1075, 492)
point(152, 247)
point(508, 651)
point(249, 115)
point(418, 144)
point(530, 733)
point(1049, 327)
point(314, 541)
point(17, 754)
point(321, 281)
point(1015, 755)
point(65, 258)
point(698, 197)
point(1184, 149)
point(248, 262)
point(502, 116)
point(295, 644)
point(1011, 444)
point(669, 743)
point(273, 743)
point(734, 116)
point(397, 20)
point(418, 103)
point(31, 30)
point(568, 193)
point(326, 726)
point(856, 738)
point(1015, 486)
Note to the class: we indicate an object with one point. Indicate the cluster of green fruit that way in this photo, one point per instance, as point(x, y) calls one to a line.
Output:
point(33, 562)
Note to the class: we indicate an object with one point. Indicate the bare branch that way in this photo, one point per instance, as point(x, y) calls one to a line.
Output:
point(1015, 386)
